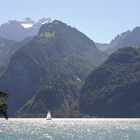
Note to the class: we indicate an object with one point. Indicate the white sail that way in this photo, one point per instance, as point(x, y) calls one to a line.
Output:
point(49, 117)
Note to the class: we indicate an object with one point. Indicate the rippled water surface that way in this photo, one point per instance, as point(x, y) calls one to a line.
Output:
point(70, 129)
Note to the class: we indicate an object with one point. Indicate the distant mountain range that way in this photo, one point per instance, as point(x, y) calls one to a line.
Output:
point(112, 89)
point(18, 30)
point(48, 72)
point(102, 46)
point(125, 39)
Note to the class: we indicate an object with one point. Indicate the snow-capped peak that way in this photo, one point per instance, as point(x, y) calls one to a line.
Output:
point(27, 22)
point(44, 20)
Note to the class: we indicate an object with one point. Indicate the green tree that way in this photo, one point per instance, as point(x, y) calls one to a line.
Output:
point(3, 105)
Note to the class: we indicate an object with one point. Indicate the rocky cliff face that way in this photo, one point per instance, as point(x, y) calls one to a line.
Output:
point(126, 39)
point(112, 90)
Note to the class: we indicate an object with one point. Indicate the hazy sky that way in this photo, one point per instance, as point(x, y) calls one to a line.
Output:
point(101, 20)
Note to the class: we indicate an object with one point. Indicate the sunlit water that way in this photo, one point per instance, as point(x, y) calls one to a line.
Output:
point(70, 129)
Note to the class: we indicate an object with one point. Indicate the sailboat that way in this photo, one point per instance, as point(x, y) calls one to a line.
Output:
point(49, 117)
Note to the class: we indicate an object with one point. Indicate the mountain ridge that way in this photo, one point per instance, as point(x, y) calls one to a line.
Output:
point(125, 39)
point(18, 30)
point(112, 89)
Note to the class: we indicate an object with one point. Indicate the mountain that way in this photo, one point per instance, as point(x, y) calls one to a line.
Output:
point(48, 72)
point(26, 22)
point(18, 30)
point(112, 89)
point(126, 39)
point(102, 46)
point(7, 49)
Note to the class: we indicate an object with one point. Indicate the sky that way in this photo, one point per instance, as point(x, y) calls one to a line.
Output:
point(100, 20)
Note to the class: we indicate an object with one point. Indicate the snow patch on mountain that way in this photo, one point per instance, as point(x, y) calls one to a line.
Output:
point(26, 25)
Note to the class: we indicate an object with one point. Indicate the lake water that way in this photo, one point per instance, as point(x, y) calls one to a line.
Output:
point(70, 129)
